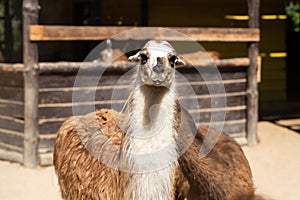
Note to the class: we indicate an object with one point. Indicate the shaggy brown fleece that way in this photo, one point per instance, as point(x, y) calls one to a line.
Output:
point(224, 174)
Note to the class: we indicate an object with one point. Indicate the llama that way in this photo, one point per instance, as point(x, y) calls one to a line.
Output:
point(146, 146)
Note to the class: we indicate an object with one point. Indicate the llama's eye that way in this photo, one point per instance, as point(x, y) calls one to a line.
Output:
point(172, 60)
point(144, 59)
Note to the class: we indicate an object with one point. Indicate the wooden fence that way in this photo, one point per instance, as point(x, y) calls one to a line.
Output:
point(55, 101)
point(38, 96)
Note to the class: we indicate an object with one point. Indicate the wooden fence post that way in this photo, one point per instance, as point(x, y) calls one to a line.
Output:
point(252, 92)
point(30, 59)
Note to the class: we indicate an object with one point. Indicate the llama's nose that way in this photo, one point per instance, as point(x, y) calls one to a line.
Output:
point(159, 67)
point(159, 60)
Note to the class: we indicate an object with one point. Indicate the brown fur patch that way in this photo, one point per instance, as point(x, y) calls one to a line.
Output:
point(81, 175)
point(223, 174)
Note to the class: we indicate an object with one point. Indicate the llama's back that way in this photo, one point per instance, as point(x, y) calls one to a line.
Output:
point(80, 174)
point(223, 174)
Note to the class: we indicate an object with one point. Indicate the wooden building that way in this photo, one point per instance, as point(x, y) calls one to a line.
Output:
point(273, 98)
point(37, 96)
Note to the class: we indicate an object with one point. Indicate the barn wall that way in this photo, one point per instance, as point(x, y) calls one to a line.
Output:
point(56, 99)
point(11, 112)
point(202, 13)
point(184, 13)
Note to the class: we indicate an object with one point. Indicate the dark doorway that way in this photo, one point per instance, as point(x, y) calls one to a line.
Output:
point(292, 49)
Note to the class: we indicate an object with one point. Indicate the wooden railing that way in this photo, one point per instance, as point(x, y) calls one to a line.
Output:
point(33, 33)
point(72, 33)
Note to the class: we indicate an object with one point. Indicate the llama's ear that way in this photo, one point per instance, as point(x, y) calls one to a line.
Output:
point(135, 58)
point(179, 62)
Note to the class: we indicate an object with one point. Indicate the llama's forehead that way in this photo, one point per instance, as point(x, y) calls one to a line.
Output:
point(158, 48)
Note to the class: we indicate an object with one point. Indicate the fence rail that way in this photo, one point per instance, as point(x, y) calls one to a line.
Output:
point(75, 33)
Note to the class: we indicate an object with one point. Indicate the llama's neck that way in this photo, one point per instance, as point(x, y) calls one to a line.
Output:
point(150, 143)
point(150, 107)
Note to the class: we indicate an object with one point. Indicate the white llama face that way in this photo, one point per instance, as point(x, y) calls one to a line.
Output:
point(157, 63)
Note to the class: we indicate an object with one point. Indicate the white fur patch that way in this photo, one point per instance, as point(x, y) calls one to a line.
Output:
point(151, 148)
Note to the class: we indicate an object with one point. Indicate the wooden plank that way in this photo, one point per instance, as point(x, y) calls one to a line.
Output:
point(30, 60)
point(82, 94)
point(71, 33)
point(62, 110)
point(11, 156)
point(54, 81)
point(211, 88)
point(259, 63)
point(206, 74)
point(242, 141)
point(46, 147)
point(46, 144)
point(11, 93)
point(10, 147)
point(8, 67)
point(239, 129)
point(65, 95)
point(252, 96)
point(61, 81)
point(12, 110)
point(204, 117)
point(11, 79)
point(49, 127)
point(57, 81)
point(233, 62)
point(230, 127)
point(65, 110)
point(227, 108)
point(124, 85)
point(11, 123)
point(11, 137)
point(46, 159)
point(120, 101)
point(111, 77)
point(123, 66)
point(86, 67)
point(230, 101)
point(211, 96)
point(218, 102)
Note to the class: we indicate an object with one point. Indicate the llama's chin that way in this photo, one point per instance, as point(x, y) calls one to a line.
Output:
point(157, 84)
point(156, 81)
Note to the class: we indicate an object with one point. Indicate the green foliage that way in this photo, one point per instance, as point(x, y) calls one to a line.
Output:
point(293, 12)
point(11, 38)
point(16, 12)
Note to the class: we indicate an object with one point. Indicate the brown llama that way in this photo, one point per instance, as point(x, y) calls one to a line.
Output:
point(146, 159)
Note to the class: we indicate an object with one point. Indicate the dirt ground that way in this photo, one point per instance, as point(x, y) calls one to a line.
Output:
point(275, 163)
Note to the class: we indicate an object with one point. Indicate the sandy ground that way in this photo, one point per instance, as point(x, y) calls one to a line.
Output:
point(275, 163)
